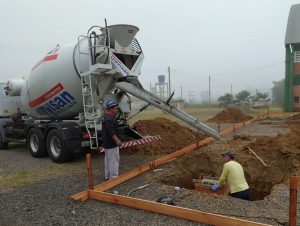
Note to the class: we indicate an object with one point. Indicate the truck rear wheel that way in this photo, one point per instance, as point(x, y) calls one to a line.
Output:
point(56, 146)
point(3, 145)
point(36, 143)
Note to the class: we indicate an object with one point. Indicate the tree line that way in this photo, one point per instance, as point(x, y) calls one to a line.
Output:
point(245, 97)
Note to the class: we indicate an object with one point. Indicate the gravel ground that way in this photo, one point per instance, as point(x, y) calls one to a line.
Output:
point(46, 200)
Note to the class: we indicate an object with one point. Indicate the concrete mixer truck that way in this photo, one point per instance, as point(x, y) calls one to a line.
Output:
point(62, 99)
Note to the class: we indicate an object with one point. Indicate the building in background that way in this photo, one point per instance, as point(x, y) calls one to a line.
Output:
point(292, 61)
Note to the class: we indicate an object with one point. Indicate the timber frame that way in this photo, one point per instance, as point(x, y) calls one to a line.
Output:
point(98, 192)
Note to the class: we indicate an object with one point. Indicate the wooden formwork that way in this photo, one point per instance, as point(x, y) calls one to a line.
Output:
point(173, 211)
point(98, 192)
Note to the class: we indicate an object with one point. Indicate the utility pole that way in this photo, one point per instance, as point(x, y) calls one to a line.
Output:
point(181, 92)
point(231, 90)
point(150, 88)
point(169, 73)
point(209, 89)
point(191, 97)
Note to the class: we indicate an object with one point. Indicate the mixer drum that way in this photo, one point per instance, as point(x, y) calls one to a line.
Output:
point(53, 88)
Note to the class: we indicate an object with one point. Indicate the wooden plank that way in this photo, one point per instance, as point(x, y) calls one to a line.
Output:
point(237, 126)
point(82, 196)
point(173, 211)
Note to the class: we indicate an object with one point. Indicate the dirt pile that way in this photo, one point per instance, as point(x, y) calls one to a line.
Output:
point(173, 136)
point(230, 115)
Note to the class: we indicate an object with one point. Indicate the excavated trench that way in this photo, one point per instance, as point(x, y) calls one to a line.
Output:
point(195, 166)
point(281, 153)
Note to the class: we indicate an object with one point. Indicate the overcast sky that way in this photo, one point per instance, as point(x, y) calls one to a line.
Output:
point(239, 43)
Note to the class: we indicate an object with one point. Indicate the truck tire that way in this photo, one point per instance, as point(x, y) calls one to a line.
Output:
point(3, 145)
point(36, 143)
point(57, 148)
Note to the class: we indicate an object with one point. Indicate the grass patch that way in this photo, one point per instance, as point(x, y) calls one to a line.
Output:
point(29, 176)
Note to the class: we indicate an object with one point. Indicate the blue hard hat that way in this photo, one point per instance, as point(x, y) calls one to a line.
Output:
point(111, 103)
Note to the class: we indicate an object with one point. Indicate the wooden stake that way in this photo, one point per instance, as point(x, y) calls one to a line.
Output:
point(174, 211)
point(293, 201)
point(258, 157)
point(153, 159)
point(89, 171)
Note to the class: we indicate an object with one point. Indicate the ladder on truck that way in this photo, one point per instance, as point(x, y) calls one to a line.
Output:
point(88, 88)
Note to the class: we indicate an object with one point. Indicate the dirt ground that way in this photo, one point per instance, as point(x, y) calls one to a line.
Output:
point(281, 153)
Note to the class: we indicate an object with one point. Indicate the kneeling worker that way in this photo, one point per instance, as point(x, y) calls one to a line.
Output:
point(233, 174)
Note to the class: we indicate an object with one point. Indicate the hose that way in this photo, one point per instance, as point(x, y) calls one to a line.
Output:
point(136, 189)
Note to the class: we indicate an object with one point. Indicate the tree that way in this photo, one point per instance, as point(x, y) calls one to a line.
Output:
point(242, 96)
point(226, 99)
point(278, 92)
point(260, 96)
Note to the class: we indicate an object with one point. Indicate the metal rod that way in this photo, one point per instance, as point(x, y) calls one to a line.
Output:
point(293, 201)
point(89, 171)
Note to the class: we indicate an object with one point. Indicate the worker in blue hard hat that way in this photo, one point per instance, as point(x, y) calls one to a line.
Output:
point(233, 174)
point(111, 140)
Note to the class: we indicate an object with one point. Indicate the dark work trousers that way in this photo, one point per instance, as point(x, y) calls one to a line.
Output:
point(242, 194)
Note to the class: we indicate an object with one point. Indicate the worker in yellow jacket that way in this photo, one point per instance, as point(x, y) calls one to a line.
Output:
point(233, 174)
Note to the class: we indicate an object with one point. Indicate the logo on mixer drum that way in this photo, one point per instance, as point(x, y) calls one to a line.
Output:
point(53, 101)
point(52, 55)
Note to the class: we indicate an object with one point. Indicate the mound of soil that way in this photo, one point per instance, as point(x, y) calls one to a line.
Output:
point(230, 115)
point(173, 136)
